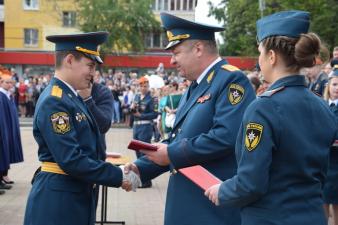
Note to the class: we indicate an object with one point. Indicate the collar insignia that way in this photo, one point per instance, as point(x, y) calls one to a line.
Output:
point(210, 76)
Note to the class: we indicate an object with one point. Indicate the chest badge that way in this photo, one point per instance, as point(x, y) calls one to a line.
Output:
point(204, 98)
point(253, 135)
point(235, 94)
point(80, 116)
point(60, 122)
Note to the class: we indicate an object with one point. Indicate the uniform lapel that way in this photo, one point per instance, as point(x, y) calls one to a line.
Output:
point(186, 104)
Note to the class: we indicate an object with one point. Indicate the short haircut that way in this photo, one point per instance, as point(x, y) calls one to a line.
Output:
point(335, 48)
point(60, 55)
point(210, 45)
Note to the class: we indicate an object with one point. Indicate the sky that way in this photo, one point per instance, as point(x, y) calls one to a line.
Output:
point(201, 14)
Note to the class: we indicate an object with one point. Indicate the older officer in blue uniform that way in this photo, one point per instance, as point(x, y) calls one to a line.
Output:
point(68, 139)
point(283, 145)
point(206, 125)
point(144, 111)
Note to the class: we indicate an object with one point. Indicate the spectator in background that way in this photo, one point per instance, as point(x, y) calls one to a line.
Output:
point(335, 52)
point(327, 69)
point(22, 91)
point(330, 194)
point(317, 79)
point(254, 80)
point(10, 131)
point(116, 104)
point(171, 106)
point(161, 112)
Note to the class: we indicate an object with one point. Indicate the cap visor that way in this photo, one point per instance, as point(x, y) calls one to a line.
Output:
point(94, 57)
point(172, 44)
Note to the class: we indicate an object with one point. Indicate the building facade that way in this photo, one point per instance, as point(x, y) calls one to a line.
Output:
point(27, 22)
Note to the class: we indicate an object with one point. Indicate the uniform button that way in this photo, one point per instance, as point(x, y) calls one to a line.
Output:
point(173, 135)
point(94, 186)
point(173, 172)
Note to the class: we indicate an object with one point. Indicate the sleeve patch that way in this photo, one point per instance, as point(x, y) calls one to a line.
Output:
point(253, 134)
point(230, 68)
point(60, 121)
point(56, 91)
point(235, 93)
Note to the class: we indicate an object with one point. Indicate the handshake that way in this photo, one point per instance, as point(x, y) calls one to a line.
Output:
point(131, 177)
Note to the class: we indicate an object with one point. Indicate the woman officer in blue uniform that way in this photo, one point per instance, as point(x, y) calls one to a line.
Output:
point(283, 144)
point(330, 191)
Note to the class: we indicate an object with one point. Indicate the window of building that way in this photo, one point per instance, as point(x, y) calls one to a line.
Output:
point(31, 37)
point(69, 19)
point(172, 5)
point(155, 40)
point(31, 4)
point(178, 4)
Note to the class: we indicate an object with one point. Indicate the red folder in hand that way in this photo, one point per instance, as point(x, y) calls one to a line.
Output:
point(200, 176)
point(140, 145)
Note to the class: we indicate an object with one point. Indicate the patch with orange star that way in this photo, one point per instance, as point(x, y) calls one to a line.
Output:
point(253, 135)
point(235, 93)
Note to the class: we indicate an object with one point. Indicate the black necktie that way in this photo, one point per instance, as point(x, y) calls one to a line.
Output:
point(192, 87)
point(332, 105)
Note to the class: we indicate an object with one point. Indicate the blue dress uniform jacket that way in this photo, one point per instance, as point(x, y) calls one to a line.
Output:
point(204, 133)
point(330, 192)
point(67, 135)
point(282, 153)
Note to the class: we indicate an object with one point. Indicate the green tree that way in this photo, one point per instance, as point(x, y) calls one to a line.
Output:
point(127, 21)
point(239, 18)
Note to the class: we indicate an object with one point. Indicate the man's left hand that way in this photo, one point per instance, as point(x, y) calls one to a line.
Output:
point(160, 157)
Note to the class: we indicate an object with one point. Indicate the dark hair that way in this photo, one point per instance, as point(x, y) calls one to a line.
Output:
point(295, 52)
point(60, 55)
point(255, 82)
point(175, 85)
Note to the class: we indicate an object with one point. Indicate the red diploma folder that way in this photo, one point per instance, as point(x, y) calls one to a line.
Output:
point(200, 176)
point(140, 145)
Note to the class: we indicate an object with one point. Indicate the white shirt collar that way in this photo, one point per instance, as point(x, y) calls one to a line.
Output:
point(335, 102)
point(68, 85)
point(7, 93)
point(200, 78)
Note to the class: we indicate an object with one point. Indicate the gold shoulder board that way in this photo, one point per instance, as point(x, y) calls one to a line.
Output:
point(230, 68)
point(56, 91)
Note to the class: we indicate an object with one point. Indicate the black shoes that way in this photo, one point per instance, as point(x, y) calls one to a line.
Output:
point(4, 186)
point(7, 182)
point(2, 192)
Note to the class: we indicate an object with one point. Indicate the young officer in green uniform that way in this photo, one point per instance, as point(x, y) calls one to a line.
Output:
point(206, 124)
point(68, 138)
point(283, 144)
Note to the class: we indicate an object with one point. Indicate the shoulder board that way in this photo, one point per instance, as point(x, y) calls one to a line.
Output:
point(56, 91)
point(230, 68)
point(271, 92)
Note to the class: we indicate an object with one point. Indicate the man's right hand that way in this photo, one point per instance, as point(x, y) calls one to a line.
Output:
point(131, 167)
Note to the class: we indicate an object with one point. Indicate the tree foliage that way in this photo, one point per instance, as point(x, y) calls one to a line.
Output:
point(127, 21)
point(239, 18)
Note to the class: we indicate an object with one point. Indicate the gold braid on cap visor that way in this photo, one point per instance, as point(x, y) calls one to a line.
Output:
point(171, 36)
point(80, 49)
